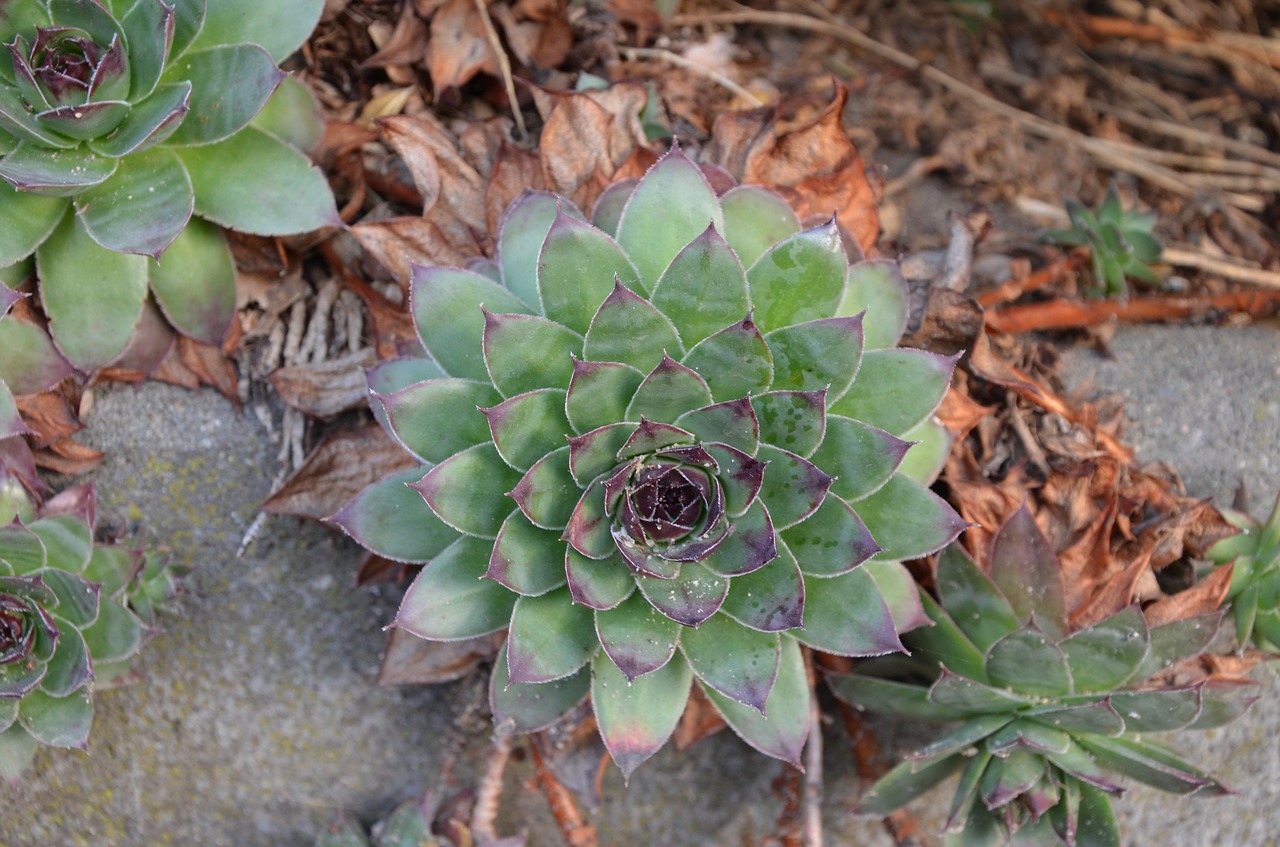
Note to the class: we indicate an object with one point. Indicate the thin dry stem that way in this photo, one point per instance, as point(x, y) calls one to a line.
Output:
point(504, 65)
point(1109, 153)
point(633, 53)
point(1187, 258)
point(489, 789)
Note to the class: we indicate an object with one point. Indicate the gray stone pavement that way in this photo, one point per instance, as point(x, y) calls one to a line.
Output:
point(257, 717)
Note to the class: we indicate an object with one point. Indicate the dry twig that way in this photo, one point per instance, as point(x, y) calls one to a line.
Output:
point(489, 789)
point(1063, 314)
point(634, 53)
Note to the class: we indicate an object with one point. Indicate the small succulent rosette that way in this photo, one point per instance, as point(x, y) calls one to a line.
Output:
point(1122, 244)
point(129, 132)
point(1254, 594)
point(1048, 715)
point(668, 446)
point(72, 615)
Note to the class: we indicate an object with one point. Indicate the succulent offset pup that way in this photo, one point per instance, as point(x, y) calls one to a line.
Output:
point(72, 615)
point(1049, 714)
point(1254, 594)
point(121, 120)
point(662, 447)
point(1122, 244)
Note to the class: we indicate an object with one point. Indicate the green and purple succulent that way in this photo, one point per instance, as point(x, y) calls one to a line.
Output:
point(665, 447)
point(1254, 594)
point(130, 130)
point(72, 613)
point(1048, 715)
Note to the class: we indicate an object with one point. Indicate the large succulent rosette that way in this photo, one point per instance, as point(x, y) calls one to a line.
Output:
point(72, 614)
point(1052, 711)
point(121, 120)
point(663, 447)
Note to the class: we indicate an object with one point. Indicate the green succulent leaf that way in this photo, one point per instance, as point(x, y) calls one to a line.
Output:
point(281, 28)
point(533, 706)
point(600, 585)
point(771, 598)
point(390, 518)
point(908, 520)
point(1173, 642)
point(292, 115)
point(29, 363)
point(689, 597)
point(253, 182)
point(546, 494)
point(526, 559)
point(890, 698)
point(1025, 568)
point(896, 388)
point(846, 615)
point(793, 487)
point(70, 669)
point(116, 635)
point(609, 205)
point(1028, 662)
point(467, 490)
point(929, 452)
point(17, 748)
point(521, 234)
point(599, 393)
point(732, 423)
point(550, 638)
point(628, 329)
point(971, 697)
point(800, 279)
point(229, 86)
point(734, 362)
point(878, 287)
point(781, 729)
point(668, 391)
point(652, 229)
point(818, 355)
point(93, 297)
point(77, 597)
point(524, 352)
point(637, 716)
point(26, 220)
point(905, 783)
point(754, 219)
point(57, 721)
point(54, 173)
point(394, 375)
point(1007, 779)
point(439, 417)
point(577, 270)
point(195, 283)
point(450, 600)
point(831, 541)
point(736, 661)
point(148, 123)
point(142, 207)
point(1097, 718)
point(1158, 711)
point(704, 289)
point(528, 426)
point(946, 641)
point(972, 600)
point(637, 638)
point(1106, 655)
point(900, 591)
point(1147, 764)
point(446, 304)
point(146, 28)
point(963, 738)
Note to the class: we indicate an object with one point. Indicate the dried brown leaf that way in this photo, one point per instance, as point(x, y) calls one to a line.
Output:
point(398, 243)
point(814, 165)
point(340, 467)
point(51, 416)
point(459, 48)
point(409, 660)
point(1200, 599)
point(328, 388)
point(950, 323)
point(588, 137)
point(68, 457)
point(407, 44)
point(375, 569)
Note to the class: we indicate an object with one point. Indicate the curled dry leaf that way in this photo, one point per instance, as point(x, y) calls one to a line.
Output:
point(814, 165)
point(408, 660)
point(339, 468)
point(328, 388)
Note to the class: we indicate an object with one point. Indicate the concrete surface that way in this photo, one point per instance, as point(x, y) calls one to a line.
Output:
point(257, 717)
